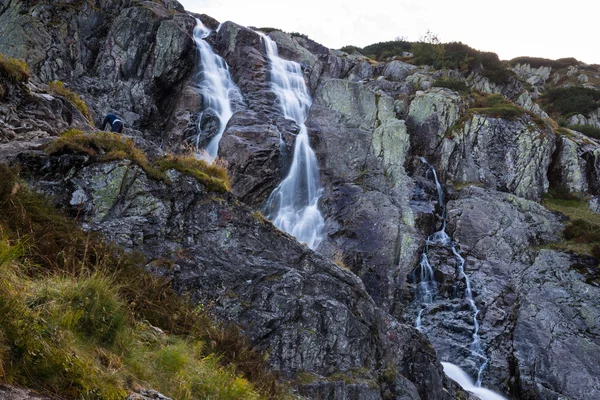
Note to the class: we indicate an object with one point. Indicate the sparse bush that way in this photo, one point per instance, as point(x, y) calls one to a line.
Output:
point(16, 71)
point(582, 231)
point(453, 84)
point(536, 62)
point(351, 49)
point(571, 100)
point(587, 130)
point(59, 89)
point(383, 50)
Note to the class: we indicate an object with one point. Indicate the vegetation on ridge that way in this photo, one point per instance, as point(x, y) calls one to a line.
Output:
point(106, 146)
point(84, 319)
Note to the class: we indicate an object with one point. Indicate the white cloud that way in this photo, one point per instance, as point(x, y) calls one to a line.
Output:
point(510, 28)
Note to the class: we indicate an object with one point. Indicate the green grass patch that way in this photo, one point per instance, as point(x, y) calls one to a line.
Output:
point(582, 232)
point(58, 88)
point(496, 106)
point(15, 71)
point(79, 317)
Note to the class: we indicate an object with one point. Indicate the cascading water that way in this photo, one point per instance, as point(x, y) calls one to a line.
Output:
point(293, 205)
point(427, 288)
point(216, 87)
point(459, 376)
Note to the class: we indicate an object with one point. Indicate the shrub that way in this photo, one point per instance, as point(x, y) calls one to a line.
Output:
point(16, 71)
point(453, 84)
point(571, 100)
point(59, 89)
point(351, 49)
point(587, 130)
point(536, 62)
point(382, 50)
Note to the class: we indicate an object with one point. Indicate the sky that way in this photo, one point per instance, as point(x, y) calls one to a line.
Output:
point(510, 28)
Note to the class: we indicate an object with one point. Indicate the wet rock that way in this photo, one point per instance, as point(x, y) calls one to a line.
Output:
point(537, 310)
point(365, 201)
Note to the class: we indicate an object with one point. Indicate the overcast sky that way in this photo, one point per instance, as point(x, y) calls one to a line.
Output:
point(509, 28)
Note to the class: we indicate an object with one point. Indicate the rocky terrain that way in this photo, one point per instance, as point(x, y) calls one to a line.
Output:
point(337, 330)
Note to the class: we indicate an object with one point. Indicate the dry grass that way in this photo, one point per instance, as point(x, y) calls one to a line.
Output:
point(213, 176)
point(106, 146)
point(15, 71)
point(58, 88)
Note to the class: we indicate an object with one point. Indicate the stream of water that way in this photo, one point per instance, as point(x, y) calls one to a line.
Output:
point(427, 287)
point(217, 88)
point(293, 205)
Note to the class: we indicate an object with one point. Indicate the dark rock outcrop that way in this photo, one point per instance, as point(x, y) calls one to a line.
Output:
point(312, 316)
point(123, 56)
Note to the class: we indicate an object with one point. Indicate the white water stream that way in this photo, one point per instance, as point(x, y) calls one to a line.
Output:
point(459, 376)
point(293, 205)
point(216, 86)
point(427, 288)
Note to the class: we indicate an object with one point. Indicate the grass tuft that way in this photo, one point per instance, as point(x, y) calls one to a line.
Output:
point(213, 176)
point(58, 88)
point(15, 71)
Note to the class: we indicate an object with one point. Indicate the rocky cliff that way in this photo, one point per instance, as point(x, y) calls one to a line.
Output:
point(335, 332)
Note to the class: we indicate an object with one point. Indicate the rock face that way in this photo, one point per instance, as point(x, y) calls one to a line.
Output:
point(366, 187)
point(511, 156)
point(336, 332)
point(122, 56)
point(313, 316)
point(576, 164)
point(536, 312)
point(29, 116)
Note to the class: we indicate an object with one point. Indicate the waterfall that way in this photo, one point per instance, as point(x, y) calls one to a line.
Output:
point(425, 292)
point(459, 376)
point(293, 205)
point(217, 88)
